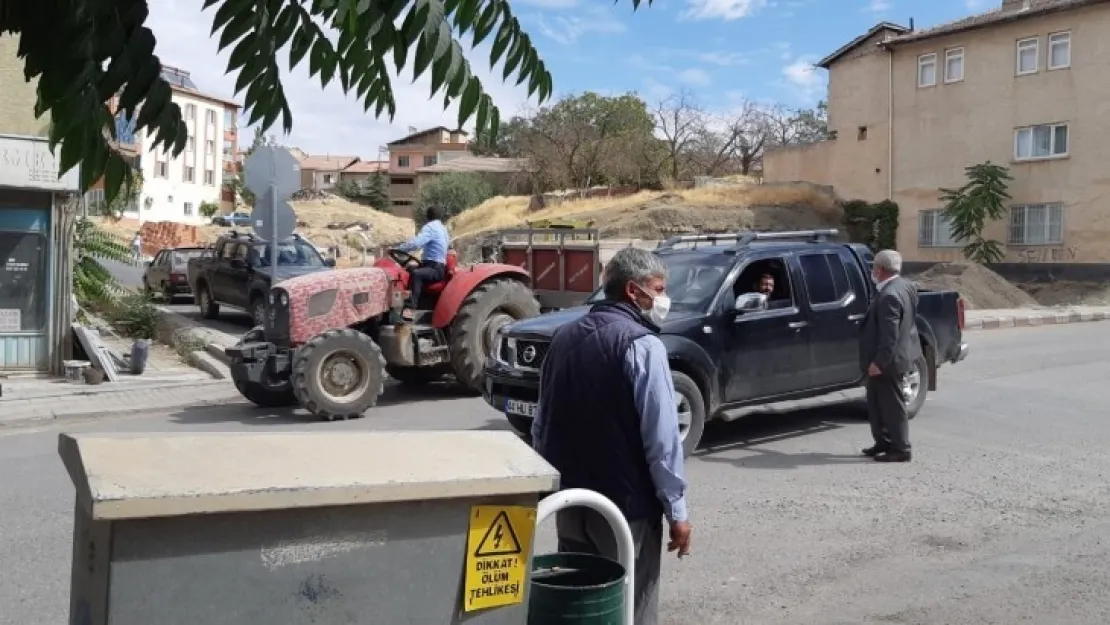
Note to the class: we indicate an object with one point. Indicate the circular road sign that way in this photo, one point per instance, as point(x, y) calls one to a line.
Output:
point(264, 215)
point(272, 166)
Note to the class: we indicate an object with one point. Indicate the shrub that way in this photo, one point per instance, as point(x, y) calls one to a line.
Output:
point(209, 209)
point(135, 316)
point(452, 192)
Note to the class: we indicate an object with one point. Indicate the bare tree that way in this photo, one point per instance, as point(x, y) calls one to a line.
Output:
point(681, 120)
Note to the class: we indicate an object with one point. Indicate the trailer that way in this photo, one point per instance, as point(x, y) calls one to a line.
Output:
point(564, 262)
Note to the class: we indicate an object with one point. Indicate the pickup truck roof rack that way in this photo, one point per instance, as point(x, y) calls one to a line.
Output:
point(250, 236)
point(741, 239)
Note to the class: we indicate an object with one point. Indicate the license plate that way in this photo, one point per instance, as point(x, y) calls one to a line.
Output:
point(523, 408)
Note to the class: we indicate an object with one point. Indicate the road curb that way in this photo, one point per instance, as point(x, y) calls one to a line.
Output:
point(208, 355)
point(1035, 319)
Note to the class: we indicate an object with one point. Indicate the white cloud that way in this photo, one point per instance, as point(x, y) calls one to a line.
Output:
point(878, 6)
point(567, 29)
point(723, 59)
point(803, 78)
point(324, 120)
point(975, 5)
point(655, 90)
point(695, 76)
point(727, 10)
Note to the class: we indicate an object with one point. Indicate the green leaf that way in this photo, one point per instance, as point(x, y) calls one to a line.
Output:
point(302, 41)
point(243, 52)
point(483, 114)
point(464, 17)
point(423, 58)
point(228, 10)
point(469, 101)
point(485, 23)
point(516, 53)
point(236, 28)
point(284, 25)
point(316, 58)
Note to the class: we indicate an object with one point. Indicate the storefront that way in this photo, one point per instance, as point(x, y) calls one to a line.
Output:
point(34, 293)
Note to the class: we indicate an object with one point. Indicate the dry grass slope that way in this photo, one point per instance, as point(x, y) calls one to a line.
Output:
point(652, 214)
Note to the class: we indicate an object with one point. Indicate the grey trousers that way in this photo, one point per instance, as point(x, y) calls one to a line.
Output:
point(582, 530)
point(890, 426)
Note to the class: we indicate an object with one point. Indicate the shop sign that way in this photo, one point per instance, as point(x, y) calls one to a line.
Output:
point(28, 164)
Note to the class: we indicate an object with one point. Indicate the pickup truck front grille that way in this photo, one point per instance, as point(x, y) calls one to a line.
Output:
point(531, 353)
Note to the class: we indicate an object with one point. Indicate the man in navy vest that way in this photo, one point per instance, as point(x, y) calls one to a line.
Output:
point(607, 420)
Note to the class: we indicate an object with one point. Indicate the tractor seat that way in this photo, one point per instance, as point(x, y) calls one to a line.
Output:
point(452, 262)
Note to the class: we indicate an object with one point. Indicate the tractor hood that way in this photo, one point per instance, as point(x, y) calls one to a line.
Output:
point(292, 271)
point(544, 326)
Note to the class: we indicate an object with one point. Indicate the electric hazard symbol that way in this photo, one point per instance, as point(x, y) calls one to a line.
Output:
point(498, 545)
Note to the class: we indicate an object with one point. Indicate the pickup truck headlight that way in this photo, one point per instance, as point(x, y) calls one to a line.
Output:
point(283, 298)
point(503, 349)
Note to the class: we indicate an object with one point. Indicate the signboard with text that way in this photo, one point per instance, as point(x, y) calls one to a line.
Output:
point(28, 164)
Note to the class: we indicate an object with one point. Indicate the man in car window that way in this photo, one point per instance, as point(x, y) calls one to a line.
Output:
point(766, 285)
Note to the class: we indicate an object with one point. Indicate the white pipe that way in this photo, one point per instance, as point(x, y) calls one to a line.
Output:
point(574, 497)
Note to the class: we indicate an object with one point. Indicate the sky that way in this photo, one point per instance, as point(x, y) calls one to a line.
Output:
point(720, 51)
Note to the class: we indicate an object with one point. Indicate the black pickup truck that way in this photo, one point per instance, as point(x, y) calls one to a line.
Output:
point(731, 347)
point(235, 272)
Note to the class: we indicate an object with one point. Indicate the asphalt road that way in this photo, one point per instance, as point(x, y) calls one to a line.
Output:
point(1002, 518)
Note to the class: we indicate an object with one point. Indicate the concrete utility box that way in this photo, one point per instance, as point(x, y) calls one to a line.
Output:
point(422, 528)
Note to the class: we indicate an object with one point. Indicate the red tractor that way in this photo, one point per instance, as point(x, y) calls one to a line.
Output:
point(330, 338)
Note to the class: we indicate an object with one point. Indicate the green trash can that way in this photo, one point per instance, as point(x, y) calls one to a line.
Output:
point(576, 589)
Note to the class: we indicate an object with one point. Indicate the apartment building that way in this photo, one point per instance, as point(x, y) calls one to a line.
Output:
point(420, 149)
point(1023, 85)
point(323, 172)
point(175, 186)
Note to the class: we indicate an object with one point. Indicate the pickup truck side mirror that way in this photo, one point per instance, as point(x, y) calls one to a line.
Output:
point(751, 302)
point(329, 262)
point(238, 263)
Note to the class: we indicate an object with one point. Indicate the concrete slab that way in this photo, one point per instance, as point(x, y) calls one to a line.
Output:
point(141, 476)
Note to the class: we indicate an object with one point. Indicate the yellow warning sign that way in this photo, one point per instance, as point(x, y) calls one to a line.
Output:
point(497, 548)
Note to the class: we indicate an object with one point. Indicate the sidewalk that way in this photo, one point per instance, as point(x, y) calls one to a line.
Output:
point(993, 319)
point(30, 400)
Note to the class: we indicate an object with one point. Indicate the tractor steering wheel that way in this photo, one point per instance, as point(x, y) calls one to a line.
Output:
point(402, 258)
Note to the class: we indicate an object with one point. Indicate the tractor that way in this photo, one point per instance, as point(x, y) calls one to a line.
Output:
point(331, 338)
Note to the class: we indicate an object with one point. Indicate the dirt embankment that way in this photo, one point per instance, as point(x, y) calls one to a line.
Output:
point(1069, 293)
point(980, 287)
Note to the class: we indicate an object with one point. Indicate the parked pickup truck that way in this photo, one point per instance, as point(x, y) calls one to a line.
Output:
point(731, 347)
point(235, 272)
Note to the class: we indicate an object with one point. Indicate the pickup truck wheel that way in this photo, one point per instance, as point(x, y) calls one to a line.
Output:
point(691, 412)
point(915, 386)
point(522, 425)
point(209, 309)
point(338, 374)
point(486, 310)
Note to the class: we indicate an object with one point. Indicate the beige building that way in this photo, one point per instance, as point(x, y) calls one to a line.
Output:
point(322, 172)
point(507, 176)
point(1024, 85)
point(418, 150)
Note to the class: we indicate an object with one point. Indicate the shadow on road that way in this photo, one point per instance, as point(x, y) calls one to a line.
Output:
point(249, 414)
point(750, 435)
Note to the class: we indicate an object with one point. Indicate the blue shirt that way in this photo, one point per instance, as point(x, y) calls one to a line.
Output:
point(433, 239)
point(646, 365)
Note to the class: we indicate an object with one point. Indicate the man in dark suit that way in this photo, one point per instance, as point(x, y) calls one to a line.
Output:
point(888, 347)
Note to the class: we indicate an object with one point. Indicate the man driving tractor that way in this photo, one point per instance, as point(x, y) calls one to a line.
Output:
point(434, 240)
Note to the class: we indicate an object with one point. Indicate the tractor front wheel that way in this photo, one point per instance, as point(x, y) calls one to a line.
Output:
point(485, 311)
point(338, 375)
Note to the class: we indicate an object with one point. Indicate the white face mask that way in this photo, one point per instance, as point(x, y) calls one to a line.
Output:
point(660, 306)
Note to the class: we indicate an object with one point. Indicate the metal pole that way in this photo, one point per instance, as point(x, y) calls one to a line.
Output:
point(273, 234)
point(625, 547)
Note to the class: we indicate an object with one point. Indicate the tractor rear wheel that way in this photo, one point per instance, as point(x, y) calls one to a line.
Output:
point(483, 313)
point(338, 375)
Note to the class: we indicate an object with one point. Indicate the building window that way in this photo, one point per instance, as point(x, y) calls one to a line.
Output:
point(161, 169)
point(954, 65)
point(1028, 51)
point(209, 147)
point(229, 119)
point(188, 209)
point(1044, 141)
point(210, 117)
point(190, 174)
point(327, 178)
point(209, 176)
point(927, 70)
point(429, 161)
point(402, 161)
point(1059, 51)
point(190, 144)
point(861, 133)
point(190, 112)
point(23, 280)
point(934, 229)
point(228, 147)
point(1037, 224)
